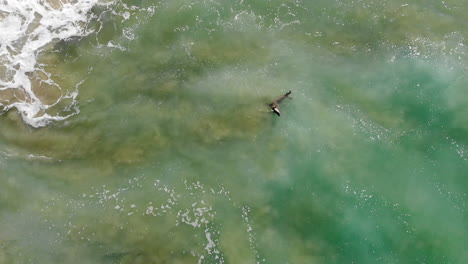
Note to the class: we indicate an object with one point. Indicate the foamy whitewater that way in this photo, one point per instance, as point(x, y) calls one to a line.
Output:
point(28, 29)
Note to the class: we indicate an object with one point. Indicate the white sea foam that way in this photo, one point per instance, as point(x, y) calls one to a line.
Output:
point(189, 205)
point(26, 27)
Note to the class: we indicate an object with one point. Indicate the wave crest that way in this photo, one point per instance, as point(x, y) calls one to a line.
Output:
point(27, 29)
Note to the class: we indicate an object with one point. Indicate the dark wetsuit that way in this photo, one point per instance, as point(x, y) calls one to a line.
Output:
point(275, 104)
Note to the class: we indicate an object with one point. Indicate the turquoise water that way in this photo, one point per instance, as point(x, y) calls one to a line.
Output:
point(174, 157)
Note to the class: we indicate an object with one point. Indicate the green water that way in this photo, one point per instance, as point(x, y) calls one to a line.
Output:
point(175, 157)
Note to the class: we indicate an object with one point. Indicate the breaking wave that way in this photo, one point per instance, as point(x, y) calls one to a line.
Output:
point(27, 30)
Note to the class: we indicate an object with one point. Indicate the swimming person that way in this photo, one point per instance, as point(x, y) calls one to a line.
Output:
point(275, 104)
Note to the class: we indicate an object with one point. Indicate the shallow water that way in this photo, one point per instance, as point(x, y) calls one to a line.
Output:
point(159, 147)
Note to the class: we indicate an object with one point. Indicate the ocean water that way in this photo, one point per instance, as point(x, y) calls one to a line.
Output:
point(140, 132)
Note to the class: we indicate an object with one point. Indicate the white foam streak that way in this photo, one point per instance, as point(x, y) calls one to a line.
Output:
point(26, 27)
